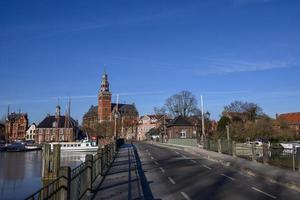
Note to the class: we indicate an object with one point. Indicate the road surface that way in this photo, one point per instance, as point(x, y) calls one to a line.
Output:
point(176, 174)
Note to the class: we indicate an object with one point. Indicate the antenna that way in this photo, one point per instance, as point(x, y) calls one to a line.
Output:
point(69, 107)
point(8, 111)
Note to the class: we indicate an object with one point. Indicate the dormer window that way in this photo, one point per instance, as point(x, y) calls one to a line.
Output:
point(54, 124)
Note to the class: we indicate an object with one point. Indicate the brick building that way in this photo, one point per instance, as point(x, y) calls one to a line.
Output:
point(106, 111)
point(292, 120)
point(15, 126)
point(2, 132)
point(57, 128)
point(180, 127)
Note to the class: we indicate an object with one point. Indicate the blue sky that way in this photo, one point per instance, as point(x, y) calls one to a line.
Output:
point(225, 50)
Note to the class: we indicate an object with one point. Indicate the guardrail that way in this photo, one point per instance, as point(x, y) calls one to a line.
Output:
point(74, 184)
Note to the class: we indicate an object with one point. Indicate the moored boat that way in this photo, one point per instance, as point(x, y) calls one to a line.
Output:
point(15, 147)
point(290, 145)
point(76, 146)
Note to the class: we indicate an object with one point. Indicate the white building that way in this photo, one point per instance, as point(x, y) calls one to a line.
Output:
point(30, 133)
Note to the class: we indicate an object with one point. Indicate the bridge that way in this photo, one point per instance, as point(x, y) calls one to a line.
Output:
point(157, 171)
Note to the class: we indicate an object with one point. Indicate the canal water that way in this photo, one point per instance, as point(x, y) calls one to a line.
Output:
point(20, 172)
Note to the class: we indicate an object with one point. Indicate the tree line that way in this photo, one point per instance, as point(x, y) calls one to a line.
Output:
point(245, 120)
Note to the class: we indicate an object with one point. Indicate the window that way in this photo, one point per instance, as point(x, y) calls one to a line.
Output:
point(54, 124)
point(183, 134)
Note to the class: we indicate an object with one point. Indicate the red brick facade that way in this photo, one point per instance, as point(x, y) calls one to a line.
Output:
point(16, 126)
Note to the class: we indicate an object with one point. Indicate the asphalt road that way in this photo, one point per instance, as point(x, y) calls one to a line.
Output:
point(176, 174)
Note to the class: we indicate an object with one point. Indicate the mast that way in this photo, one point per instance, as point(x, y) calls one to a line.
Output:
point(202, 118)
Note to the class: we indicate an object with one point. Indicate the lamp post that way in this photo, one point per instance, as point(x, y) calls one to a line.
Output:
point(116, 118)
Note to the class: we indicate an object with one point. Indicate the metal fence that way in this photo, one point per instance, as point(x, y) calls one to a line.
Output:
point(289, 159)
point(73, 184)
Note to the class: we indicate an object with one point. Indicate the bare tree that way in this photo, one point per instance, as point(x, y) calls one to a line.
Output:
point(251, 110)
point(184, 103)
point(160, 110)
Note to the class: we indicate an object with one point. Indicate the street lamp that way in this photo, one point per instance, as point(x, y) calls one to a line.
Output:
point(116, 132)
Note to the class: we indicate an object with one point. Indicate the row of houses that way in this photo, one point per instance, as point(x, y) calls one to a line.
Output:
point(52, 128)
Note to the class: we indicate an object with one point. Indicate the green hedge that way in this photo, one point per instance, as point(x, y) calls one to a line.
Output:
point(185, 142)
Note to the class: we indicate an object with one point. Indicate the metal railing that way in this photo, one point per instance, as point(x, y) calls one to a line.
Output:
point(289, 159)
point(74, 184)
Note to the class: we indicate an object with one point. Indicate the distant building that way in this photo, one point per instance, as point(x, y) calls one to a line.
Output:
point(146, 123)
point(2, 132)
point(291, 120)
point(57, 128)
point(31, 132)
point(106, 111)
point(180, 127)
point(15, 126)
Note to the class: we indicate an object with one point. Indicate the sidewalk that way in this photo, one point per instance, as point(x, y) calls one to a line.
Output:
point(122, 181)
point(273, 174)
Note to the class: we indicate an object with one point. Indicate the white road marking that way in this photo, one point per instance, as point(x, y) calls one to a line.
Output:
point(155, 162)
point(269, 195)
point(149, 153)
point(183, 156)
point(228, 177)
point(152, 158)
point(185, 195)
point(171, 180)
point(194, 161)
point(177, 152)
point(162, 170)
point(207, 167)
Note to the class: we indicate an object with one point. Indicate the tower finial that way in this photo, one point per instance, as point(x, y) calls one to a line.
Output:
point(104, 69)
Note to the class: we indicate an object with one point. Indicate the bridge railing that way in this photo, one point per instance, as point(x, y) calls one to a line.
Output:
point(74, 184)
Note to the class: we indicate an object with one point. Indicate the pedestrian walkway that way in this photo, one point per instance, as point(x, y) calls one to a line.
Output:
point(122, 180)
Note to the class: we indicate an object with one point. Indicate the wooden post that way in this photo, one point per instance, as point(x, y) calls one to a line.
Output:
point(89, 178)
point(102, 161)
point(298, 158)
point(219, 146)
point(112, 152)
point(46, 160)
point(233, 147)
point(50, 167)
point(265, 153)
point(253, 152)
point(99, 161)
point(106, 154)
point(56, 159)
point(294, 151)
point(64, 183)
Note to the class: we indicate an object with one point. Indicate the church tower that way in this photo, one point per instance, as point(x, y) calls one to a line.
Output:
point(104, 100)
